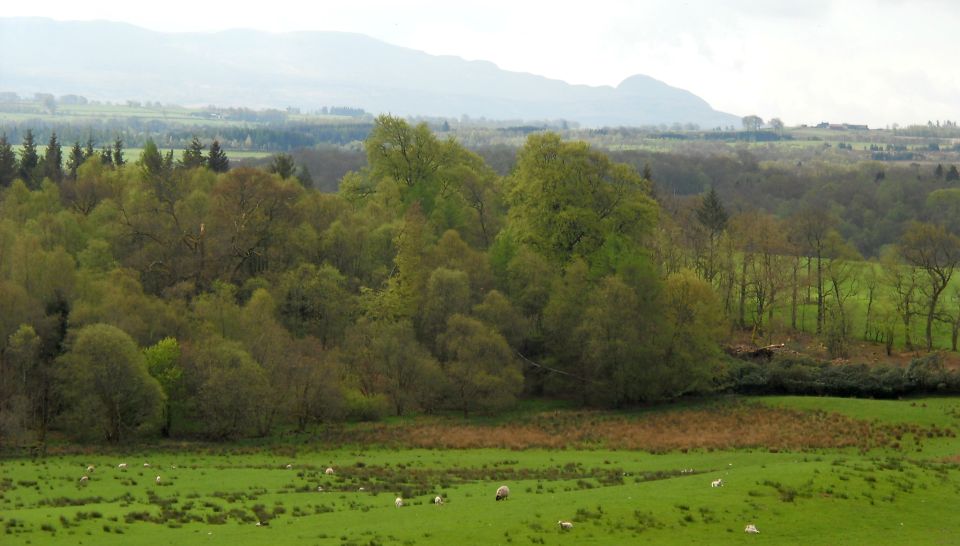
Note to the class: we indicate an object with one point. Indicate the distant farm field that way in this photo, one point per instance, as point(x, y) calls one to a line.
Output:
point(803, 470)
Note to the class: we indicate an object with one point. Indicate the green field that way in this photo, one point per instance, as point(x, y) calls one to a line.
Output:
point(896, 492)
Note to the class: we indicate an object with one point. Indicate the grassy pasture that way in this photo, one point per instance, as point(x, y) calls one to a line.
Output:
point(887, 474)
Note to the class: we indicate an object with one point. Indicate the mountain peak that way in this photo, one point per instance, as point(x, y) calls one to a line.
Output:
point(315, 69)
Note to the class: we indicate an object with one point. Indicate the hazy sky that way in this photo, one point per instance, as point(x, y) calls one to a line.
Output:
point(862, 61)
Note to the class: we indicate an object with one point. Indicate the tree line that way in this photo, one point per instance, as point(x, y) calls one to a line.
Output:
point(179, 297)
point(167, 298)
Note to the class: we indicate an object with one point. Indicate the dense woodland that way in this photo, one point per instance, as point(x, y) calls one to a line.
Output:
point(179, 297)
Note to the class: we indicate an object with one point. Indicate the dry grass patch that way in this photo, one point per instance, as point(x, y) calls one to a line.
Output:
point(722, 426)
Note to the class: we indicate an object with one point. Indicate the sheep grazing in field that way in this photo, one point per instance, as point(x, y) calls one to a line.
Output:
point(328, 471)
point(84, 479)
point(752, 529)
point(565, 525)
point(320, 488)
point(438, 500)
point(289, 466)
point(717, 483)
point(503, 492)
point(146, 465)
point(263, 523)
point(122, 466)
point(398, 502)
point(158, 480)
point(90, 469)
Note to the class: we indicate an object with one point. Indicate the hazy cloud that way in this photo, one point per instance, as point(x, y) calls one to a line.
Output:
point(872, 61)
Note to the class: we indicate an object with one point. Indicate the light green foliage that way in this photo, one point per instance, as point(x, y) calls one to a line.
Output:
point(109, 393)
point(566, 200)
point(694, 326)
point(411, 157)
point(163, 363)
point(116, 298)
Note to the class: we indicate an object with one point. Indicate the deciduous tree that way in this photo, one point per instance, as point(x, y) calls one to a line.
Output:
point(108, 391)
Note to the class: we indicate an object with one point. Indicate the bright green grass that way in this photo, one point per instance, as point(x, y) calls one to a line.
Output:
point(823, 497)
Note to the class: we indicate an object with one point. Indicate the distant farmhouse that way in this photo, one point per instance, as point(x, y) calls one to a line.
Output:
point(841, 126)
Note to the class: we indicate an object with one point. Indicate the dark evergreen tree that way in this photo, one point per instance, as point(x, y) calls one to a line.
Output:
point(193, 155)
point(118, 152)
point(77, 157)
point(168, 161)
point(8, 162)
point(150, 160)
point(938, 172)
point(712, 214)
point(952, 174)
point(53, 160)
point(106, 156)
point(29, 159)
point(217, 160)
point(88, 150)
point(282, 164)
point(306, 180)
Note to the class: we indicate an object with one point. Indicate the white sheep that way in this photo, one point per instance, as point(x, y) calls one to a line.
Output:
point(328, 471)
point(398, 502)
point(320, 488)
point(503, 492)
point(90, 469)
point(289, 466)
point(146, 465)
point(438, 500)
point(565, 525)
point(83, 479)
point(122, 466)
point(158, 480)
point(717, 483)
point(751, 528)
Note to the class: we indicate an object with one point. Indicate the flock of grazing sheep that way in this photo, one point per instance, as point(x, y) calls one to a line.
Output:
point(502, 493)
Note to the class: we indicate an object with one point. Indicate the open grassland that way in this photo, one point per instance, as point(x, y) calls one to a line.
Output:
point(803, 470)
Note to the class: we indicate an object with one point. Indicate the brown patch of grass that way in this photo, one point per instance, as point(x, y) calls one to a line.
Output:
point(723, 426)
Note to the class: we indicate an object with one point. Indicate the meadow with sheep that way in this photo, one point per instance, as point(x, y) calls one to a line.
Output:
point(798, 470)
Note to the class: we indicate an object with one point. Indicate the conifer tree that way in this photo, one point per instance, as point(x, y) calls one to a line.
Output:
point(193, 155)
point(712, 214)
point(53, 160)
point(106, 155)
point(118, 152)
point(8, 162)
point(77, 157)
point(217, 160)
point(29, 159)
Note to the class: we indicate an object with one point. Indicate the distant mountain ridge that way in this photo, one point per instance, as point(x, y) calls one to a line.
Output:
point(117, 61)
